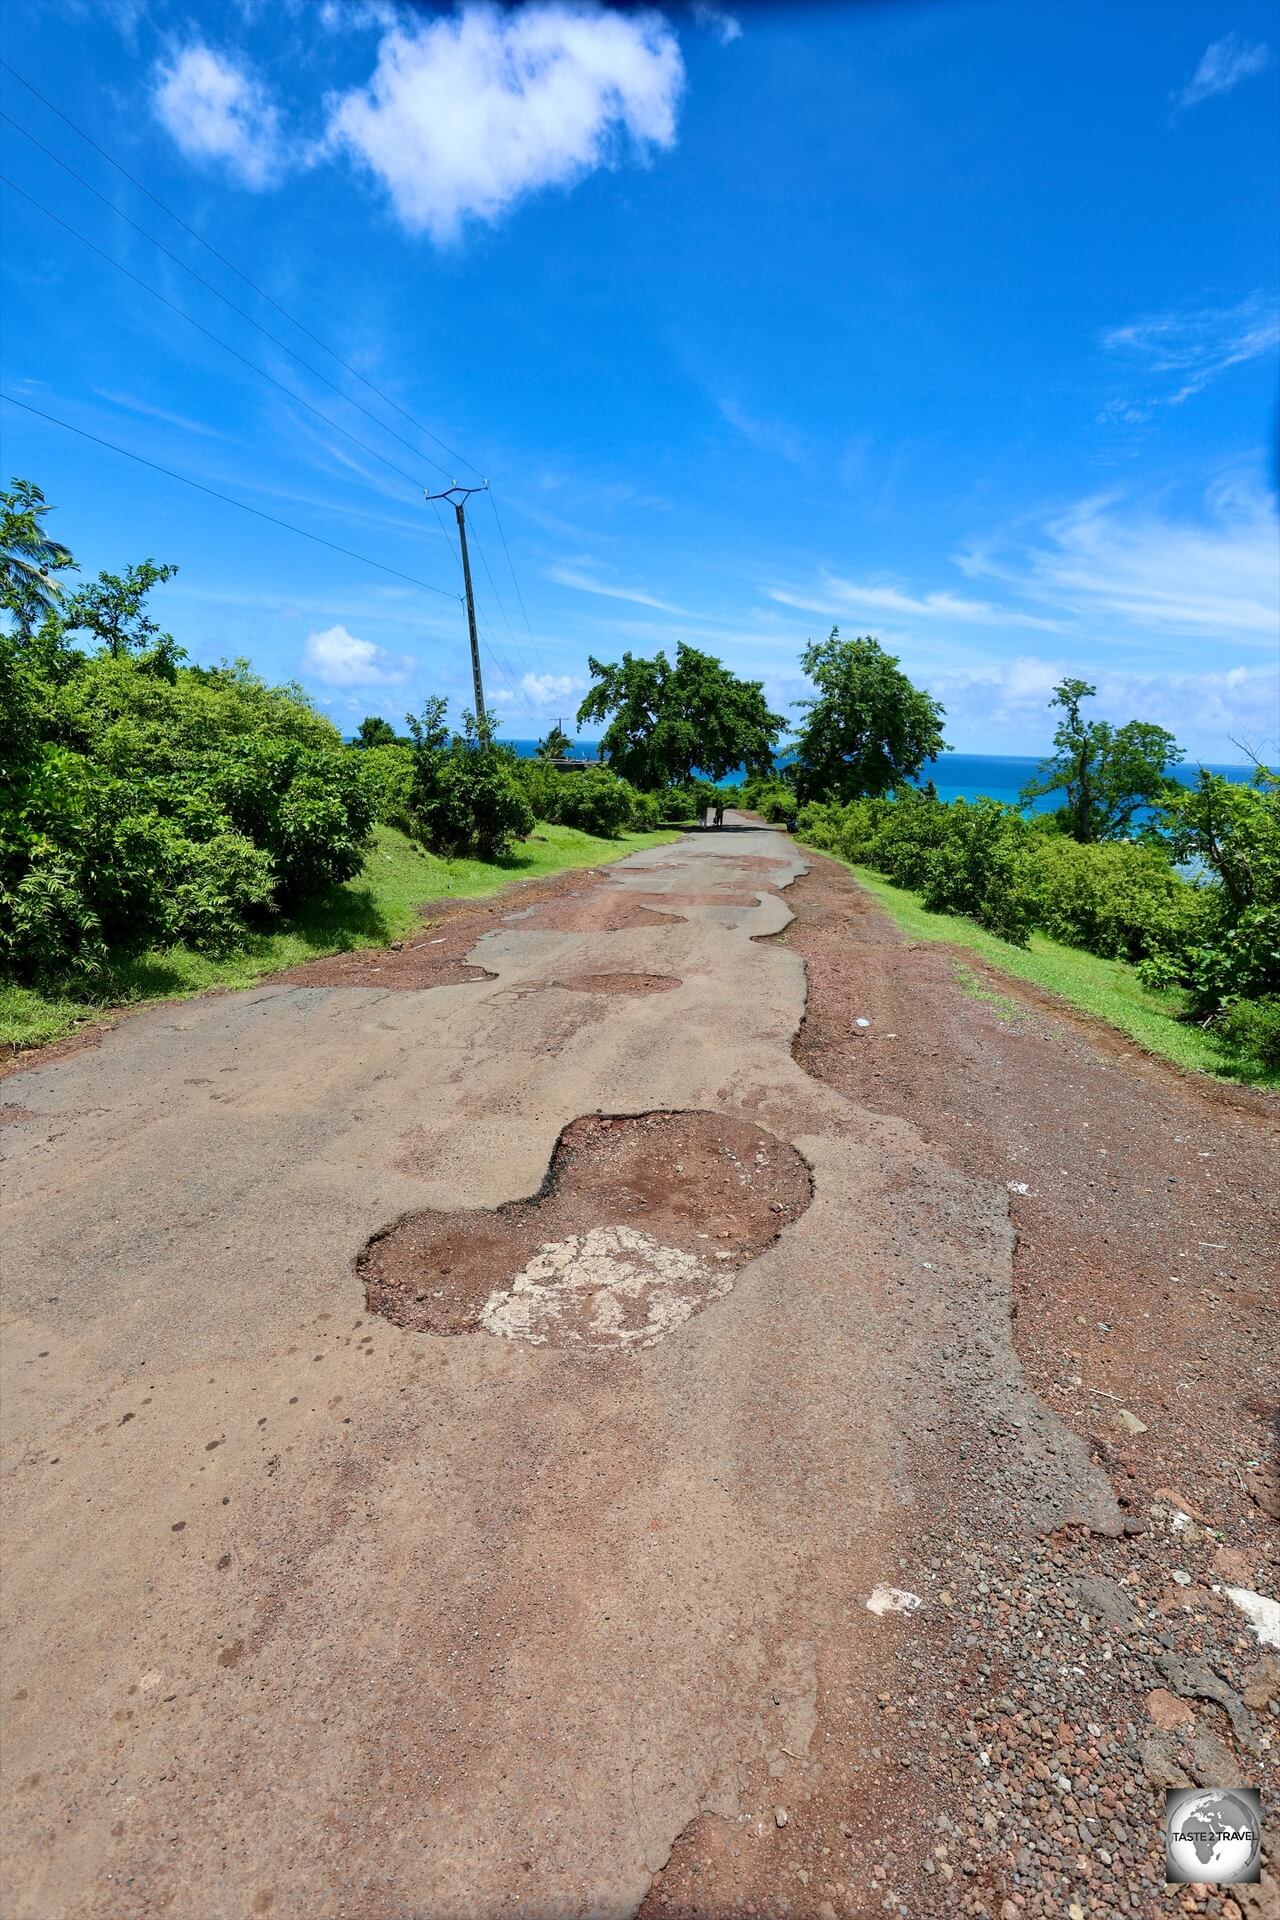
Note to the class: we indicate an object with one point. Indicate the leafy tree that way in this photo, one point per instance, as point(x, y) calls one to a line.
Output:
point(1233, 831)
point(556, 745)
point(665, 720)
point(374, 731)
point(1108, 774)
point(464, 795)
point(114, 610)
point(30, 558)
point(868, 729)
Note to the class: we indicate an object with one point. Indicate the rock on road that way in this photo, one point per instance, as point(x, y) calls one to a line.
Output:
point(313, 1613)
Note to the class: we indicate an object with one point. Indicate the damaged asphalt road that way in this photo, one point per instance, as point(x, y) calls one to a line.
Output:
point(315, 1611)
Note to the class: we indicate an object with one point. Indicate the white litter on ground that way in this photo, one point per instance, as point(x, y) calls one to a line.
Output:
point(1017, 1186)
point(893, 1600)
point(860, 1022)
point(1262, 1613)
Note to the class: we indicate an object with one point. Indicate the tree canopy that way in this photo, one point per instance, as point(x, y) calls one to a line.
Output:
point(1108, 774)
point(374, 731)
point(867, 729)
point(664, 721)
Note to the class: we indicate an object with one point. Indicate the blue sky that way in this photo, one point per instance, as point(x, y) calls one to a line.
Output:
point(956, 324)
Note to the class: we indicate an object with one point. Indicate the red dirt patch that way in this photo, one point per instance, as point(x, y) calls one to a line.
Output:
point(709, 897)
point(604, 910)
point(618, 982)
point(701, 1184)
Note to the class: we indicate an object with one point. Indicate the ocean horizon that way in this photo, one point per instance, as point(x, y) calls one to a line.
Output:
point(959, 776)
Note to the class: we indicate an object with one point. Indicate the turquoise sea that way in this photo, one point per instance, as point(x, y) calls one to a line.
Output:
point(958, 776)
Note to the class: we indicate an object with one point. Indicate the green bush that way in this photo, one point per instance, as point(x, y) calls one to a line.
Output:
point(1115, 898)
point(775, 799)
point(465, 795)
point(388, 771)
point(679, 803)
point(1249, 1033)
point(646, 814)
point(597, 801)
point(542, 787)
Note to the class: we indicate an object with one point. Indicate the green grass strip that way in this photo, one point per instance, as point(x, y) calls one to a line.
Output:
point(378, 906)
point(1108, 989)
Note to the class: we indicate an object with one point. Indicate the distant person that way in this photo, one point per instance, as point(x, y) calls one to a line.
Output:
point(719, 813)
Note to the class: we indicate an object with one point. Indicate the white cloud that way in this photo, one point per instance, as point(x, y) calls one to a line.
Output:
point(726, 28)
point(583, 583)
point(988, 704)
point(1223, 65)
point(339, 659)
point(553, 691)
point(1193, 347)
point(466, 113)
point(216, 111)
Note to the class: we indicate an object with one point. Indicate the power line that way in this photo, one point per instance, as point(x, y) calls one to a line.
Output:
point(226, 498)
point(217, 339)
point(515, 583)
point(240, 275)
point(284, 312)
point(218, 294)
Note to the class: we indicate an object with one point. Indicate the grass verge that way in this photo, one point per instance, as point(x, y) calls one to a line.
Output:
point(378, 906)
point(1108, 989)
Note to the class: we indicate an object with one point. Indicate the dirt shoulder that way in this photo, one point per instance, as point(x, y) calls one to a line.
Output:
point(1075, 1677)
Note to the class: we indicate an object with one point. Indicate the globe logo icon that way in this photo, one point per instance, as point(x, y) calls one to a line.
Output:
point(1213, 1836)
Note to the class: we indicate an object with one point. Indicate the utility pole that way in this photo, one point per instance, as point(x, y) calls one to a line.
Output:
point(457, 498)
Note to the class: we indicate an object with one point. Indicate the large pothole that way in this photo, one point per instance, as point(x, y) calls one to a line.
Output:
point(642, 1221)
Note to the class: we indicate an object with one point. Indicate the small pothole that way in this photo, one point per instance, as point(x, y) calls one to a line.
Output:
point(618, 982)
point(642, 1221)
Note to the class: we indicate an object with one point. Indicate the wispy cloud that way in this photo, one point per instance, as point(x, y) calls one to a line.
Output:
point(467, 113)
point(584, 583)
point(726, 27)
point(849, 599)
point(1130, 568)
point(218, 112)
point(144, 407)
point(1184, 351)
point(772, 436)
point(1223, 65)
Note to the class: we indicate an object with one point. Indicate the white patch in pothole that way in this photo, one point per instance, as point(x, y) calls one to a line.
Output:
point(1262, 1613)
point(893, 1600)
point(610, 1287)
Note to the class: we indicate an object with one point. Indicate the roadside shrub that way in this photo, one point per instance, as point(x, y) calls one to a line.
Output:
point(542, 787)
point(773, 798)
point(646, 814)
point(1116, 898)
point(597, 801)
point(677, 804)
point(388, 772)
point(311, 811)
point(465, 795)
point(1249, 1033)
point(981, 869)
